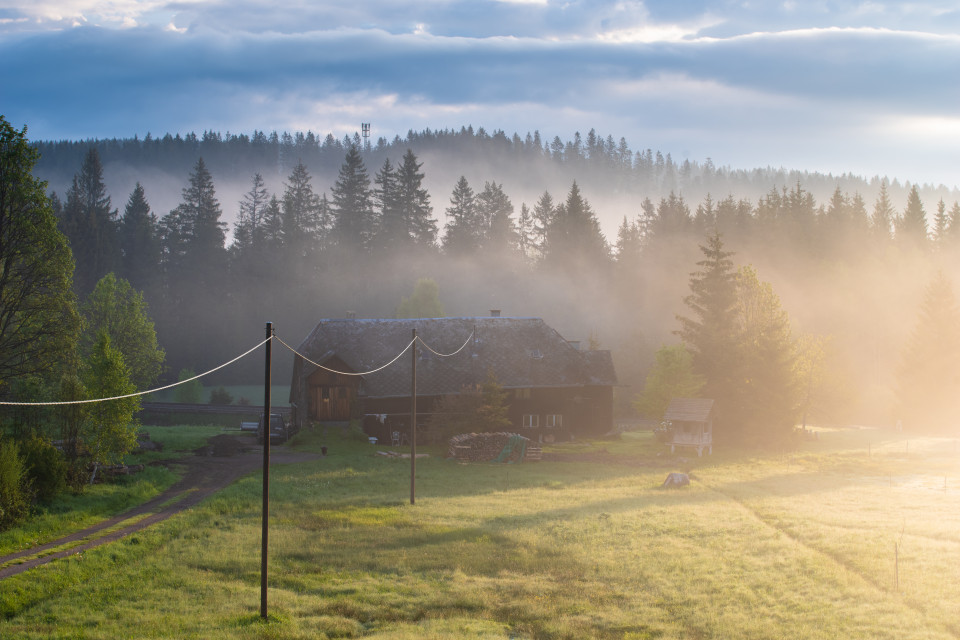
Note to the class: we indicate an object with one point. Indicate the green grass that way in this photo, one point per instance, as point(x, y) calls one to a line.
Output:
point(797, 545)
point(71, 512)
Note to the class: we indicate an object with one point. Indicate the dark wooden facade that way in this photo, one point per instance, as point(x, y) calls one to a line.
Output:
point(554, 391)
point(332, 397)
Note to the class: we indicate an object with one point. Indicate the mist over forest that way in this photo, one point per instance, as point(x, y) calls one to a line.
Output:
point(594, 237)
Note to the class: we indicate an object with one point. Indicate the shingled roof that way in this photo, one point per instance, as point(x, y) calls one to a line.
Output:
point(521, 352)
point(689, 410)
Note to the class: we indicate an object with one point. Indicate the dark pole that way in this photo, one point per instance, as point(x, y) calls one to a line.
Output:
point(266, 476)
point(413, 419)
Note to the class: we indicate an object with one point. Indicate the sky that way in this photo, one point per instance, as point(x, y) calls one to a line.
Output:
point(863, 87)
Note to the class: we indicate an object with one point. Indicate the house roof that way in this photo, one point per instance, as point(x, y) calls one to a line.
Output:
point(521, 352)
point(689, 410)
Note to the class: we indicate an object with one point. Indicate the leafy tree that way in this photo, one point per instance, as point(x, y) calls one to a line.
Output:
point(38, 317)
point(111, 431)
point(116, 308)
point(14, 489)
point(928, 381)
point(424, 303)
point(90, 223)
point(139, 240)
point(221, 396)
point(672, 376)
point(492, 412)
point(768, 393)
point(354, 219)
point(463, 234)
point(189, 392)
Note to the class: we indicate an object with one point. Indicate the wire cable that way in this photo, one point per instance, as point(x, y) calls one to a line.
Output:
point(345, 373)
point(446, 355)
point(138, 393)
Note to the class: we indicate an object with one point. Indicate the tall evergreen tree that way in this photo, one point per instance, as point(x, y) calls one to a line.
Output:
point(248, 230)
point(884, 216)
point(354, 222)
point(543, 213)
point(928, 381)
point(463, 234)
point(392, 230)
point(711, 332)
point(414, 201)
point(139, 241)
point(301, 229)
point(90, 223)
point(574, 239)
point(912, 225)
point(495, 211)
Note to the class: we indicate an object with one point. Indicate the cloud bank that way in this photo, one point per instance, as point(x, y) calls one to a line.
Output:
point(862, 87)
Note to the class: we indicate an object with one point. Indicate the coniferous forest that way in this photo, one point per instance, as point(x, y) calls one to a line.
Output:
point(223, 232)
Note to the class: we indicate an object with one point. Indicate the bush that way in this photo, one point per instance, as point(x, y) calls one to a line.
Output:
point(191, 392)
point(45, 467)
point(14, 485)
point(221, 396)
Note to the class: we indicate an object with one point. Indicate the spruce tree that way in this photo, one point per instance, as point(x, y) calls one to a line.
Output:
point(884, 216)
point(463, 234)
point(928, 380)
point(139, 241)
point(300, 228)
point(414, 202)
point(573, 239)
point(354, 220)
point(90, 223)
point(495, 211)
point(912, 225)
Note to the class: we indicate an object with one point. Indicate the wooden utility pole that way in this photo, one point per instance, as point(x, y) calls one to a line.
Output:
point(266, 475)
point(413, 419)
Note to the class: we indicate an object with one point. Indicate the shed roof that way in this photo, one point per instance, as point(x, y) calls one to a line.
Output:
point(689, 410)
point(521, 352)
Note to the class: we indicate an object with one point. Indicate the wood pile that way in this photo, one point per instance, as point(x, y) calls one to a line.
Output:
point(487, 447)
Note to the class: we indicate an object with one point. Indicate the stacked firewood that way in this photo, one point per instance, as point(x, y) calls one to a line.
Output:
point(483, 447)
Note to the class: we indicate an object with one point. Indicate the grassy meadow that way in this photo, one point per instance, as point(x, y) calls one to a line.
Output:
point(855, 535)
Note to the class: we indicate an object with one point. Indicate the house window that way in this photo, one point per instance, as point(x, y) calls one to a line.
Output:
point(531, 421)
point(521, 394)
point(554, 421)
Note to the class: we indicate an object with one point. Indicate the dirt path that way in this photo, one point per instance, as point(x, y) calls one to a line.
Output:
point(223, 460)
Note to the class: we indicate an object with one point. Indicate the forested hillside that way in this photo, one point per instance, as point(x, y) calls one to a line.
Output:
point(225, 232)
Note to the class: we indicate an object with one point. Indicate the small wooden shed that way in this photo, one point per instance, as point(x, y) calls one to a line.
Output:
point(692, 423)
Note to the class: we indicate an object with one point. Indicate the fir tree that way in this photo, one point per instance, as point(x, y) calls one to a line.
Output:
point(353, 212)
point(139, 241)
point(463, 234)
point(912, 225)
point(90, 223)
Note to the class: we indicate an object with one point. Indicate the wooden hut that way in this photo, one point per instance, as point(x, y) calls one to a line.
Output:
point(691, 420)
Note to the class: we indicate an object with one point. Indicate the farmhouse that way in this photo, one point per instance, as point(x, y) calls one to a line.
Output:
point(555, 390)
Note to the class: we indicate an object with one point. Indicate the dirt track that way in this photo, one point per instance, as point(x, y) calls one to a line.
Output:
point(223, 460)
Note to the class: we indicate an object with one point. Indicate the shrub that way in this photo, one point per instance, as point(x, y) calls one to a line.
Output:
point(191, 392)
point(45, 467)
point(221, 396)
point(14, 489)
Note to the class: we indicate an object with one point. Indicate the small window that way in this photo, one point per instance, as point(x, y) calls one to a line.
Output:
point(521, 394)
point(536, 354)
point(554, 421)
point(531, 421)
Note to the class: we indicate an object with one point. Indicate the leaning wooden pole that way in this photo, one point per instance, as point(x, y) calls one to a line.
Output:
point(413, 419)
point(265, 518)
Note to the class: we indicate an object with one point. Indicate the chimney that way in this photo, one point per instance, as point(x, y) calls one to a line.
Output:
point(494, 313)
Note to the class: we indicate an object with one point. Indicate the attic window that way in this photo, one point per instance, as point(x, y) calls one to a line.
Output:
point(536, 354)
